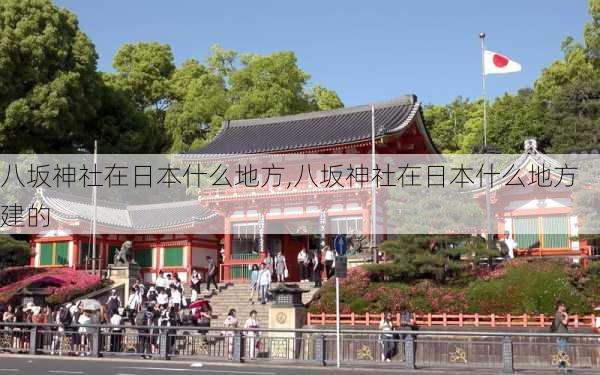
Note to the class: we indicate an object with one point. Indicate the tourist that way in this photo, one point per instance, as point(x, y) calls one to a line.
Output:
point(301, 258)
point(196, 285)
point(177, 282)
point(264, 282)
point(152, 295)
point(85, 332)
point(252, 323)
point(317, 268)
point(329, 262)
point(211, 273)
point(308, 266)
point(280, 267)
point(269, 263)
point(134, 304)
point(163, 298)
point(202, 316)
point(175, 299)
point(387, 339)
point(10, 316)
point(230, 322)
point(76, 312)
point(113, 303)
point(141, 287)
point(116, 338)
point(511, 244)
point(253, 283)
point(153, 313)
point(63, 320)
point(408, 322)
point(39, 317)
point(560, 325)
point(161, 281)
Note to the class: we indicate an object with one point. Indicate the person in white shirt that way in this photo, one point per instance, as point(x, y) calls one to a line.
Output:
point(163, 298)
point(264, 281)
point(195, 284)
point(301, 259)
point(329, 262)
point(161, 281)
point(116, 339)
point(252, 323)
point(175, 299)
point(134, 303)
point(387, 339)
point(510, 244)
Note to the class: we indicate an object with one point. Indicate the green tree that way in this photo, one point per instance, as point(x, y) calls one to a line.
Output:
point(266, 86)
point(13, 252)
point(48, 77)
point(324, 99)
point(200, 97)
point(419, 256)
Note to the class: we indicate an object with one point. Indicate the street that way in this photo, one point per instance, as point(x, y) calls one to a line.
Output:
point(40, 365)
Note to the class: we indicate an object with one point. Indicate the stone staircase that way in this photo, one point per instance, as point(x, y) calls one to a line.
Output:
point(235, 296)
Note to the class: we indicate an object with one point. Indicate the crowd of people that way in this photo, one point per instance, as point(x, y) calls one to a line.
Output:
point(160, 304)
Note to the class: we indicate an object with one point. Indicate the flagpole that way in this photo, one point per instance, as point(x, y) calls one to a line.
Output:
point(482, 38)
point(373, 191)
point(94, 214)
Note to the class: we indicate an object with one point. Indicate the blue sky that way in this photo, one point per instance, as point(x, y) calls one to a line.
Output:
point(365, 50)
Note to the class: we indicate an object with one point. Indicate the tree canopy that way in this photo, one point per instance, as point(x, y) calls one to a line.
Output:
point(560, 110)
point(53, 98)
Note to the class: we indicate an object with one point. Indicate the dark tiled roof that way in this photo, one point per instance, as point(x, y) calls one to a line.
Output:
point(146, 216)
point(314, 129)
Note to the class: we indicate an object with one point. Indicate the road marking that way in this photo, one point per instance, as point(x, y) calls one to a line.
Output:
point(9, 369)
point(210, 371)
point(197, 364)
point(64, 372)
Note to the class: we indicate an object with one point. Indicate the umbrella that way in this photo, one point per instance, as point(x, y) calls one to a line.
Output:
point(198, 304)
point(90, 304)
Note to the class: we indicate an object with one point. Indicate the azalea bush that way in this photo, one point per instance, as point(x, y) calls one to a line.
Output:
point(11, 275)
point(61, 284)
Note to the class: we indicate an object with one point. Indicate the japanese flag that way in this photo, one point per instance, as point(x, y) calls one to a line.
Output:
point(495, 63)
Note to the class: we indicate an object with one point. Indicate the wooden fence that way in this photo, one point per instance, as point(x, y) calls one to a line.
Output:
point(453, 320)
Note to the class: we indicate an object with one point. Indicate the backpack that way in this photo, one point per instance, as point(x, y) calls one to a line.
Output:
point(554, 326)
point(65, 317)
point(140, 319)
point(113, 304)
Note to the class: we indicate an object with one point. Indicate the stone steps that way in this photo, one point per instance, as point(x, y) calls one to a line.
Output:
point(235, 296)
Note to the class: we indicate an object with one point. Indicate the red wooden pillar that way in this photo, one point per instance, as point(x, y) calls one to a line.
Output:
point(33, 251)
point(189, 258)
point(226, 247)
point(75, 255)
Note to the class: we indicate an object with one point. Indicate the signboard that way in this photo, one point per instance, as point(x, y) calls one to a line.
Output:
point(340, 244)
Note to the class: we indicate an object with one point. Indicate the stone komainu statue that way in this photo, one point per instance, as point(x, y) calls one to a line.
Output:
point(124, 255)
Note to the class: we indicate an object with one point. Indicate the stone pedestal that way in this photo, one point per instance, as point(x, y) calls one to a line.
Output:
point(286, 312)
point(125, 274)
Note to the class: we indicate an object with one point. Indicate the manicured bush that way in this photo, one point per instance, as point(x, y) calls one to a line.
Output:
point(520, 286)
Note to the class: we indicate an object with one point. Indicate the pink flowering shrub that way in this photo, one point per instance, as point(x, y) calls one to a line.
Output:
point(61, 284)
point(519, 286)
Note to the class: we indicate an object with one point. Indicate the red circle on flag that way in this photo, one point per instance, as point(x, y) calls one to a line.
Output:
point(499, 60)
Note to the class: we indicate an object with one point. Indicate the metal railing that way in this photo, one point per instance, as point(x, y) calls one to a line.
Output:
point(505, 351)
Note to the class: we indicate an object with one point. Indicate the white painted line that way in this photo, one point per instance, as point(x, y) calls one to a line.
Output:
point(209, 371)
point(64, 372)
point(9, 369)
point(197, 364)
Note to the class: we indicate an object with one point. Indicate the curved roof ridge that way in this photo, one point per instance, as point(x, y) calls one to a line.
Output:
point(403, 100)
